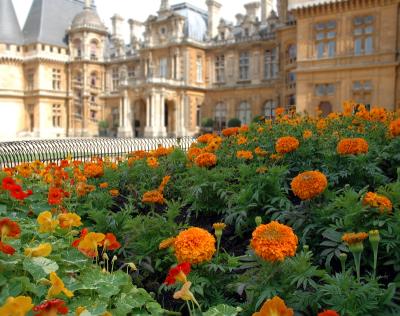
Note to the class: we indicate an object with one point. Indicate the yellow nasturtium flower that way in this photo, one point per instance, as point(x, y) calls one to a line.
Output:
point(69, 220)
point(46, 222)
point(42, 250)
point(57, 287)
point(16, 306)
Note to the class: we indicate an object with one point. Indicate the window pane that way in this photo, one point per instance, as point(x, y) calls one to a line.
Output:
point(330, 89)
point(320, 36)
point(331, 25)
point(369, 30)
point(357, 85)
point(320, 26)
point(331, 49)
point(320, 50)
point(358, 46)
point(331, 35)
point(358, 21)
point(368, 45)
point(368, 19)
point(368, 85)
point(358, 31)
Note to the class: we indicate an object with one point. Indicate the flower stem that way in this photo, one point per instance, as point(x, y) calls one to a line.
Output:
point(357, 261)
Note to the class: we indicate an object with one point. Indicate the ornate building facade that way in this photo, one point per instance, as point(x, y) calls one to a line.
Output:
point(65, 74)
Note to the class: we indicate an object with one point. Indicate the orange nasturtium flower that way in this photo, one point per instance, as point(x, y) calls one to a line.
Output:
point(47, 223)
point(194, 245)
point(309, 184)
point(89, 244)
point(16, 306)
point(274, 307)
point(69, 220)
point(43, 250)
point(286, 144)
point(110, 242)
point(274, 241)
point(57, 287)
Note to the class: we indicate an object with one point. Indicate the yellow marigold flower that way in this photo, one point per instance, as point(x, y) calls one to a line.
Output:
point(394, 128)
point(154, 196)
point(307, 134)
point(309, 184)
point(42, 250)
point(69, 220)
point(244, 154)
point(16, 306)
point(352, 146)
point(260, 152)
point(206, 160)
point(57, 287)
point(274, 241)
point(103, 185)
point(194, 245)
point(379, 201)
point(166, 243)
point(354, 238)
point(274, 307)
point(152, 162)
point(46, 222)
point(114, 192)
point(286, 144)
point(89, 244)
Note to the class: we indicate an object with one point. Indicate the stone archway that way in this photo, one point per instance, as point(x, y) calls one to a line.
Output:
point(325, 107)
point(139, 117)
point(170, 117)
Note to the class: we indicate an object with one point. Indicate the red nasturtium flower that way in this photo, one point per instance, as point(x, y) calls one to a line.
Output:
point(178, 273)
point(7, 183)
point(110, 242)
point(55, 196)
point(7, 249)
point(51, 308)
point(9, 228)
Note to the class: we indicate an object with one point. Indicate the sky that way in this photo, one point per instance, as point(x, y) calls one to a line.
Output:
point(138, 9)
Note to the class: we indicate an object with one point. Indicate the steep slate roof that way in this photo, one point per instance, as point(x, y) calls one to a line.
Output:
point(48, 21)
point(10, 31)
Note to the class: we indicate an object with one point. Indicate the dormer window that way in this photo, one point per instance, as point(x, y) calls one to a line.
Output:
point(246, 31)
point(222, 36)
point(163, 31)
point(93, 50)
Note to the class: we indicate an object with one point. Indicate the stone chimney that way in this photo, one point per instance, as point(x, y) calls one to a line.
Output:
point(117, 21)
point(164, 5)
point(213, 17)
point(88, 4)
point(266, 8)
point(135, 30)
point(252, 9)
point(239, 18)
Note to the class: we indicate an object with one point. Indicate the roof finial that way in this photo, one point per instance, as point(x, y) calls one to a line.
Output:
point(88, 4)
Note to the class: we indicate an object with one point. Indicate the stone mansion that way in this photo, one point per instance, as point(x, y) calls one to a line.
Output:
point(66, 74)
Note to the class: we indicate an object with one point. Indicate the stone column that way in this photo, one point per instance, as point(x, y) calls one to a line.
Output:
point(148, 130)
point(125, 128)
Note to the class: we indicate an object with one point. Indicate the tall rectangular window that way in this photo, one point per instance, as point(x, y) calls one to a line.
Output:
point(115, 79)
point(271, 64)
point(56, 79)
point(325, 39)
point(30, 79)
point(220, 68)
point(56, 117)
point(199, 66)
point(131, 72)
point(362, 91)
point(363, 31)
point(163, 67)
point(244, 66)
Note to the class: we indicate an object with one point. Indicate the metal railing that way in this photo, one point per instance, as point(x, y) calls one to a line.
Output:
point(54, 150)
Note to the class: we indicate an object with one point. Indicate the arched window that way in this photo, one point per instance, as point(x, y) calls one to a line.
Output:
point(78, 48)
point(291, 53)
point(244, 112)
point(220, 116)
point(93, 50)
point(93, 79)
point(269, 109)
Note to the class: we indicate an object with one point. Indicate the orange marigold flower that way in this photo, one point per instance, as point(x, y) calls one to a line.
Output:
point(394, 128)
point(206, 138)
point(152, 162)
point(244, 128)
point(309, 184)
point(206, 160)
point(262, 170)
point(154, 196)
point(279, 111)
point(328, 312)
point(352, 146)
point(274, 241)
point(276, 156)
point(193, 152)
point(104, 185)
point(354, 238)
point(212, 146)
point(378, 114)
point(260, 152)
point(114, 192)
point(230, 131)
point(307, 134)
point(244, 154)
point(274, 307)
point(241, 140)
point(162, 151)
point(379, 201)
point(194, 245)
point(93, 169)
point(321, 124)
point(9, 228)
point(164, 182)
point(166, 243)
point(69, 220)
point(286, 144)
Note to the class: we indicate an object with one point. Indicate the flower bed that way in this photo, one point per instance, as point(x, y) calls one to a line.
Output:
point(299, 216)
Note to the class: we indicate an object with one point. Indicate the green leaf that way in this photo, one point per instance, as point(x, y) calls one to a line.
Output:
point(39, 267)
point(223, 310)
